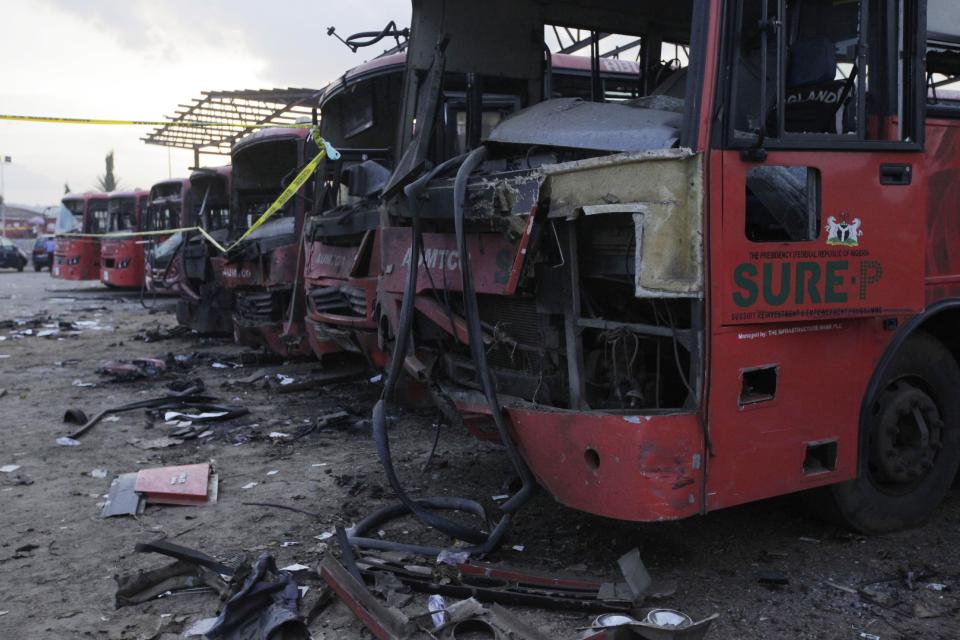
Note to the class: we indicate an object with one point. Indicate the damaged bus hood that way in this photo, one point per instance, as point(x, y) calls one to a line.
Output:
point(575, 124)
point(273, 234)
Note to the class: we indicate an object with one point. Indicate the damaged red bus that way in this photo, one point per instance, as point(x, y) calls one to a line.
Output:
point(741, 284)
point(169, 208)
point(360, 117)
point(78, 258)
point(263, 272)
point(122, 258)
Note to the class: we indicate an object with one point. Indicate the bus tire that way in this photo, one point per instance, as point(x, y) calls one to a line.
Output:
point(909, 443)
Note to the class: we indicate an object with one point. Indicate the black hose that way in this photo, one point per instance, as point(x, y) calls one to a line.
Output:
point(368, 38)
point(421, 509)
point(454, 529)
point(475, 332)
point(148, 265)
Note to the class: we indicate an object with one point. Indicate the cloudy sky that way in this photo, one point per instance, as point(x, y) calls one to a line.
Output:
point(139, 59)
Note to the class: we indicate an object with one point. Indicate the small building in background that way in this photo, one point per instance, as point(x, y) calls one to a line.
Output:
point(28, 222)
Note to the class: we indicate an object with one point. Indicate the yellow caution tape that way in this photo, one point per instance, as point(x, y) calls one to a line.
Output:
point(326, 151)
point(294, 186)
point(150, 123)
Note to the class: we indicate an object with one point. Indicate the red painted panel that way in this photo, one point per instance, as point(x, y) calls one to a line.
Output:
point(77, 259)
point(237, 275)
point(329, 261)
point(645, 468)
point(873, 266)
point(185, 484)
point(823, 371)
point(129, 251)
point(825, 347)
point(492, 258)
point(285, 266)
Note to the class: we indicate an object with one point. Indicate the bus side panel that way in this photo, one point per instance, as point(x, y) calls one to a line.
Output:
point(800, 431)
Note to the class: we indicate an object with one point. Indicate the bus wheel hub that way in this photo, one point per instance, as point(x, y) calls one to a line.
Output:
point(907, 438)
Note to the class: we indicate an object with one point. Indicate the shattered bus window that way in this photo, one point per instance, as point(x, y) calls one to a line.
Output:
point(783, 204)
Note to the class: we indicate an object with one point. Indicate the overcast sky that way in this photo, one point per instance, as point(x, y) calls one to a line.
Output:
point(139, 59)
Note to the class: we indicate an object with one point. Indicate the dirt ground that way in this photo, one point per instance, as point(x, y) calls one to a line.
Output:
point(58, 557)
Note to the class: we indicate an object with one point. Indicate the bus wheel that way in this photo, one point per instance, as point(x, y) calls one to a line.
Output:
point(911, 449)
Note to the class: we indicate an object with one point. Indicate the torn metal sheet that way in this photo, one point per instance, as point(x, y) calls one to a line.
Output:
point(488, 583)
point(635, 573)
point(578, 124)
point(383, 623)
point(139, 587)
point(123, 499)
point(663, 191)
point(185, 553)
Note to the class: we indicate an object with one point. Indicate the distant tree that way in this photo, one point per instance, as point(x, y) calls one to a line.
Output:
point(66, 188)
point(108, 182)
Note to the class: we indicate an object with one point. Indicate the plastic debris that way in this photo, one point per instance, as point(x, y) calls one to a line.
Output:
point(200, 627)
point(452, 558)
point(437, 606)
point(250, 485)
point(9, 468)
point(68, 442)
point(99, 473)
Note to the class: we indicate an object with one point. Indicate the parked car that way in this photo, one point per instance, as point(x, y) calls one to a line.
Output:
point(11, 257)
point(43, 250)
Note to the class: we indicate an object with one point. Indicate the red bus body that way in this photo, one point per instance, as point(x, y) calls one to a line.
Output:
point(169, 207)
point(684, 314)
point(262, 273)
point(341, 247)
point(78, 258)
point(122, 258)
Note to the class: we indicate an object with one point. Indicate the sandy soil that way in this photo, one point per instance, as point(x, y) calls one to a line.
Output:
point(58, 558)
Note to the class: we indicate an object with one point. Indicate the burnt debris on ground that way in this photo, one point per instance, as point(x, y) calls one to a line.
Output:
point(296, 466)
